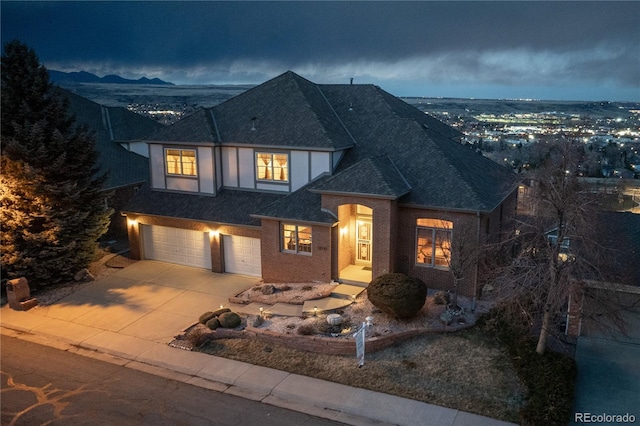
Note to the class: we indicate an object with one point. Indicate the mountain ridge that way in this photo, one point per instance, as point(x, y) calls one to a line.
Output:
point(87, 77)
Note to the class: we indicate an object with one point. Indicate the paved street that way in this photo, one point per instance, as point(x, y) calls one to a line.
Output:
point(42, 385)
point(608, 366)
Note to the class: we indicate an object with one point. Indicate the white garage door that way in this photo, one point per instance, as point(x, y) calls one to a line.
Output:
point(175, 245)
point(242, 255)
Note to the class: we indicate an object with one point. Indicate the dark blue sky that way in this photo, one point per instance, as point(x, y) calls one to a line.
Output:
point(518, 49)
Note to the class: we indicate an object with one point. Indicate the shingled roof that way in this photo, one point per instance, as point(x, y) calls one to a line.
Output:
point(377, 176)
point(441, 172)
point(112, 125)
point(391, 149)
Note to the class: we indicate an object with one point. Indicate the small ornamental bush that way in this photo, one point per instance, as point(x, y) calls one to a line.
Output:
point(206, 317)
point(397, 295)
point(306, 330)
point(213, 323)
point(229, 320)
point(220, 311)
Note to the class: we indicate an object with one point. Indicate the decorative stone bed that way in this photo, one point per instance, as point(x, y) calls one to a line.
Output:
point(314, 334)
point(291, 293)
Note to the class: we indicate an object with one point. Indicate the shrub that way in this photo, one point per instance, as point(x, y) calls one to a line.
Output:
point(229, 320)
point(307, 288)
point(213, 323)
point(220, 311)
point(206, 317)
point(398, 295)
point(285, 288)
point(306, 330)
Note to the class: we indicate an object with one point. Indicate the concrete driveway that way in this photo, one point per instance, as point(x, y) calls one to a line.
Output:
point(609, 370)
point(148, 300)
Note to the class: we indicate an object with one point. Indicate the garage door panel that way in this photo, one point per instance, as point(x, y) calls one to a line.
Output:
point(242, 255)
point(176, 245)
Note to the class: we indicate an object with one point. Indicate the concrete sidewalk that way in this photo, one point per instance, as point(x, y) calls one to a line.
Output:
point(129, 318)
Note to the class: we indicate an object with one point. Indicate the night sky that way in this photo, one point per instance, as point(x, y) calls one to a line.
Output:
point(542, 50)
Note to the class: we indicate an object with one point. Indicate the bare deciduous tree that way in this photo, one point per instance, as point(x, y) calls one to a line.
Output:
point(550, 252)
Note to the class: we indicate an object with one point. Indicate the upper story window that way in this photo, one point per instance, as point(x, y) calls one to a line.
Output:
point(181, 162)
point(272, 167)
point(296, 238)
point(433, 242)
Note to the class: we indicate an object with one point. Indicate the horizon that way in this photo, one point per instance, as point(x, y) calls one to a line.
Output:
point(169, 84)
point(476, 50)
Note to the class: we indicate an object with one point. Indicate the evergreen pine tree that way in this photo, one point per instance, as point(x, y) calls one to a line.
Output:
point(52, 208)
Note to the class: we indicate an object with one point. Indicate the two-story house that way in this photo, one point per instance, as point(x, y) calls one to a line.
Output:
point(294, 181)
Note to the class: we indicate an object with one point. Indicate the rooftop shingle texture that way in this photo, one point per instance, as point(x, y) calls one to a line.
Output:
point(441, 172)
point(112, 124)
point(287, 111)
point(197, 127)
point(230, 207)
point(376, 176)
point(302, 205)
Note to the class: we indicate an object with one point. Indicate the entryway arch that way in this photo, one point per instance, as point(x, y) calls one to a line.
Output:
point(355, 243)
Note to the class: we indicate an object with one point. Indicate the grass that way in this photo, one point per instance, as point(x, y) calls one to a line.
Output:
point(466, 370)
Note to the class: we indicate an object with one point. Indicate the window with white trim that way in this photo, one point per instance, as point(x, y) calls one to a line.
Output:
point(433, 242)
point(181, 162)
point(296, 238)
point(272, 167)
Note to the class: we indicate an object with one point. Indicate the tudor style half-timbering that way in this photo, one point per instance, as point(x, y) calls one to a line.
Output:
point(295, 181)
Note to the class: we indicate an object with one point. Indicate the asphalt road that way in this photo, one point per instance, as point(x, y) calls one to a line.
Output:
point(42, 385)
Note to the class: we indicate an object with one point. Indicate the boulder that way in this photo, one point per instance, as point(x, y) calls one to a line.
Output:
point(229, 320)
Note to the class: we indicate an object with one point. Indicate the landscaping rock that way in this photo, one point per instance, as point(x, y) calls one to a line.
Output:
point(334, 319)
point(83, 275)
point(268, 289)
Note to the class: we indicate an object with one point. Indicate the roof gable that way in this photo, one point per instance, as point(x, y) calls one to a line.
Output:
point(441, 172)
point(377, 176)
point(287, 111)
point(196, 128)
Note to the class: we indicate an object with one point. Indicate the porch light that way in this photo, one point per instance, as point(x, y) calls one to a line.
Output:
point(132, 222)
point(344, 230)
point(213, 233)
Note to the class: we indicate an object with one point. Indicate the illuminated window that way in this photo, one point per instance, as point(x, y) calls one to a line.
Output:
point(433, 242)
point(296, 239)
point(272, 167)
point(181, 162)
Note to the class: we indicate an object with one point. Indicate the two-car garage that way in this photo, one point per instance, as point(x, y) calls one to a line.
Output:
point(193, 248)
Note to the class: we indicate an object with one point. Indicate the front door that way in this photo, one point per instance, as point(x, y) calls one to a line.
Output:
point(363, 240)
